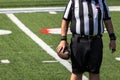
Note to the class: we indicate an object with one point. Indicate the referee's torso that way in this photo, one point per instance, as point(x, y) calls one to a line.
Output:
point(86, 16)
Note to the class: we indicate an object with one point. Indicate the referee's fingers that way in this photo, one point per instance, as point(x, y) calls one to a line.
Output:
point(59, 48)
point(113, 50)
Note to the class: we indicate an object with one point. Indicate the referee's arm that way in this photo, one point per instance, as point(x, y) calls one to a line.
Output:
point(66, 18)
point(107, 18)
point(63, 43)
point(64, 27)
point(109, 27)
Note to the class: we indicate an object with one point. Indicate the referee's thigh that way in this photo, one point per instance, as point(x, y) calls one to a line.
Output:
point(95, 55)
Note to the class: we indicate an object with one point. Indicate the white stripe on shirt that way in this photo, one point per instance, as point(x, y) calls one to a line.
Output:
point(86, 18)
point(77, 16)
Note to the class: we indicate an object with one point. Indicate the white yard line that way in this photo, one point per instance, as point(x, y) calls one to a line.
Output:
point(29, 10)
point(114, 8)
point(40, 42)
point(43, 9)
point(5, 61)
point(5, 32)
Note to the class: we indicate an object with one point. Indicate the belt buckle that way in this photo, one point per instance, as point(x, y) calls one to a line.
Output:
point(82, 36)
point(90, 36)
point(85, 36)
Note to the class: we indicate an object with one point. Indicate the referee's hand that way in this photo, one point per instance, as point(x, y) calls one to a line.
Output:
point(112, 46)
point(61, 47)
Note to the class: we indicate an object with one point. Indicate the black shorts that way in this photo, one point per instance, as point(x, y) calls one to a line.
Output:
point(86, 54)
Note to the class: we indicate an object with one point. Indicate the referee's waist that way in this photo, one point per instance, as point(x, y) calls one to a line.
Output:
point(87, 36)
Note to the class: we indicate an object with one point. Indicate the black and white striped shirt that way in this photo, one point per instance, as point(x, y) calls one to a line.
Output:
point(87, 16)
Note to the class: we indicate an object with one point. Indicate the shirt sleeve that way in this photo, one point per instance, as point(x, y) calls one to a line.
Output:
point(68, 11)
point(106, 12)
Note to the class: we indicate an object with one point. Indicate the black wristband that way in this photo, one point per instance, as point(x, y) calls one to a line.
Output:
point(64, 38)
point(112, 36)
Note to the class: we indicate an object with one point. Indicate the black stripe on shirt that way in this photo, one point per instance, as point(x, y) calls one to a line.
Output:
point(73, 24)
point(90, 15)
point(99, 17)
point(99, 21)
point(81, 12)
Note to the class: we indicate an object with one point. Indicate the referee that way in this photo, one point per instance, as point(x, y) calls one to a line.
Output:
point(87, 19)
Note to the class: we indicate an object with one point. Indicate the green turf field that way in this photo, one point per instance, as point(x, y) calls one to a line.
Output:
point(42, 3)
point(26, 57)
point(31, 3)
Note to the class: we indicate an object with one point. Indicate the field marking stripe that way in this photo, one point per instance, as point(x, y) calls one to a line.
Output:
point(43, 9)
point(40, 42)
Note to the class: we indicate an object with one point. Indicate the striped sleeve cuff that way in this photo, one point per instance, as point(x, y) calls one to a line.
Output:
point(106, 11)
point(66, 19)
point(67, 12)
